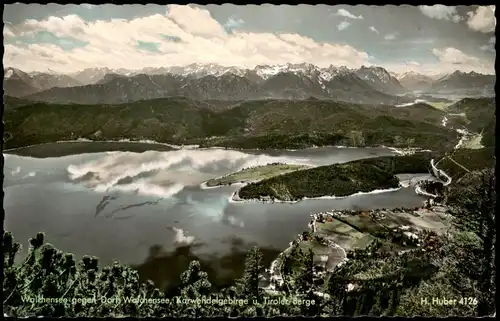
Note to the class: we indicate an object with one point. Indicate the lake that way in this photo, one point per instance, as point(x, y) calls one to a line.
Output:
point(147, 209)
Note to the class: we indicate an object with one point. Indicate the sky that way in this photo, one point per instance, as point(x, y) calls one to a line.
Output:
point(426, 39)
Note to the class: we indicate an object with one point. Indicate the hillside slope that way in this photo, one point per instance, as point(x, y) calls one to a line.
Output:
point(480, 114)
point(252, 124)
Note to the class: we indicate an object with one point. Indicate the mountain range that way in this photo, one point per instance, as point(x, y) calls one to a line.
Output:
point(211, 81)
point(461, 80)
point(19, 83)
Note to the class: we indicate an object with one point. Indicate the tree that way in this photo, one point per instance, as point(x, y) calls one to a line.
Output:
point(194, 281)
point(393, 300)
point(249, 283)
point(337, 289)
point(194, 287)
point(356, 138)
point(472, 202)
point(305, 285)
point(305, 279)
point(286, 269)
point(376, 309)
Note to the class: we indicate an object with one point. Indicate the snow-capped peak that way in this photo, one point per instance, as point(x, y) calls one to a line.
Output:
point(333, 71)
point(303, 69)
point(412, 75)
point(201, 70)
point(408, 74)
point(262, 71)
point(235, 71)
point(9, 73)
point(373, 73)
point(267, 71)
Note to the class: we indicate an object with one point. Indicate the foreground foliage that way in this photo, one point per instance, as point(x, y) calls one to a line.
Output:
point(458, 265)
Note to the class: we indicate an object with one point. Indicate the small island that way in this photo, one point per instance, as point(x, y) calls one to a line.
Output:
point(257, 173)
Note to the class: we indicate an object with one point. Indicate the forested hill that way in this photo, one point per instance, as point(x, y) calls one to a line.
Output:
point(339, 180)
point(253, 124)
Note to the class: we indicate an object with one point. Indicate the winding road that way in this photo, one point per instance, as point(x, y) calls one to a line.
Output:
point(439, 173)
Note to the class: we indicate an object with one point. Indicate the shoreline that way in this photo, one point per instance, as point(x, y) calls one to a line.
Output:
point(408, 151)
point(419, 191)
point(204, 185)
point(234, 198)
point(125, 140)
point(395, 150)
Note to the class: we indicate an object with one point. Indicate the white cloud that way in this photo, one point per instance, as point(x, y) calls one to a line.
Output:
point(420, 41)
point(112, 43)
point(390, 36)
point(372, 28)
point(490, 46)
point(441, 12)
point(486, 48)
point(412, 63)
point(483, 19)
point(452, 59)
point(343, 25)
point(449, 60)
point(347, 14)
point(456, 18)
point(195, 20)
point(232, 22)
point(453, 56)
point(7, 32)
